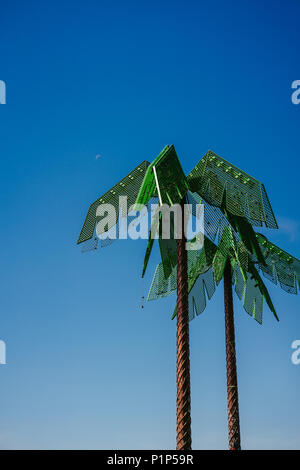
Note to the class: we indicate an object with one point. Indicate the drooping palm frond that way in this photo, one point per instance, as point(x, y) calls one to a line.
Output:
point(128, 186)
point(245, 230)
point(214, 219)
point(168, 247)
point(217, 218)
point(252, 291)
point(148, 253)
point(225, 250)
point(200, 279)
point(219, 182)
point(279, 265)
point(254, 275)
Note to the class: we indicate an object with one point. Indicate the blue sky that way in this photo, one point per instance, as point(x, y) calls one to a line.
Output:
point(86, 366)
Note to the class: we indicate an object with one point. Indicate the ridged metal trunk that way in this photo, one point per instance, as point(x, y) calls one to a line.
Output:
point(232, 386)
point(184, 437)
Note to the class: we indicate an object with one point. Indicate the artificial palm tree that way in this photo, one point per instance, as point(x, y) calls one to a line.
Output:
point(166, 179)
point(244, 202)
point(163, 179)
point(233, 203)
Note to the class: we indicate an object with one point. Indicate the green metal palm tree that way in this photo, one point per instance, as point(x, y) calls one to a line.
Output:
point(163, 179)
point(166, 179)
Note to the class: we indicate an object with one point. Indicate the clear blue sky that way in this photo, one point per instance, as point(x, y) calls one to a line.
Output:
point(86, 366)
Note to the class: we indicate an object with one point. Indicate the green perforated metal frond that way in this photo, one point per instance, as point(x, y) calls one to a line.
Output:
point(246, 233)
point(148, 253)
point(91, 244)
point(162, 286)
point(203, 289)
point(215, 222)
point(214, 219)
point(203, 262)
point(201, 283)
point(238, 281)
point(218, 181)
point(251, 291)
point(253, 300)
point(249, 294)
point(148, 186)
point(165, 177)
point(280, 265)
point(168, 253)
point(226, 249)
point(104, 240)
point(171, 180)
point(128, 186)
point(168, 247)
point(199, 290)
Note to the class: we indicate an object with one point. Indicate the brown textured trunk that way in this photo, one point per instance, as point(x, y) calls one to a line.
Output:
point(184, 438)
point(232, 386)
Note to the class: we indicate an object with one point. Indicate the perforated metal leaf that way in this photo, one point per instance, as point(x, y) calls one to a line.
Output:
point(214, 219)
point(253, 300)
point(219, 182)
point(280, 265)
point(165, 177)
point(128, 186)
point(203, 290)
point(225, 250)
point(215, 222)
point(162, 286)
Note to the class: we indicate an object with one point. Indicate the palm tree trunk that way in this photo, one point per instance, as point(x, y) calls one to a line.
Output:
point(184, 438)
point(232, 386)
